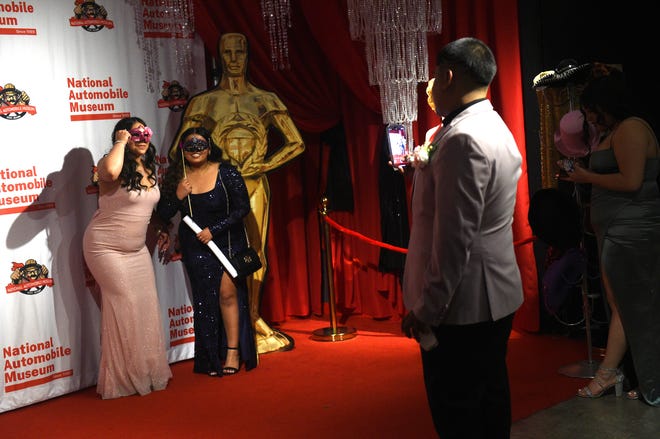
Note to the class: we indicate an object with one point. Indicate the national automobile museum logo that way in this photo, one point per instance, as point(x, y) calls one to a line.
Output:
point(174, 96)
point(29, 277)
point(14, 103)
point(90, 15)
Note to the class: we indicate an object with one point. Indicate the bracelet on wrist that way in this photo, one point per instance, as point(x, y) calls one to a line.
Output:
point(119, 141)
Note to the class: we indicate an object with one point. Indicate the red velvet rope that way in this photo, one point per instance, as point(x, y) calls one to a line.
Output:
point(362, 237)
point(343, 229)
point(524, 241)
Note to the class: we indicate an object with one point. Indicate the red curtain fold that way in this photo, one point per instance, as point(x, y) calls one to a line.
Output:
point(328, 23)
point(328, 84)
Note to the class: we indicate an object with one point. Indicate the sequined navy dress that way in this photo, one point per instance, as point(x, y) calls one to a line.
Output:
point(221, 210)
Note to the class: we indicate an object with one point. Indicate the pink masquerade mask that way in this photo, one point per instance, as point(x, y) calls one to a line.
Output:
point(142, 134)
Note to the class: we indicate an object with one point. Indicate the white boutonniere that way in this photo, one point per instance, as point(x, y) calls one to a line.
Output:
point(422, 154)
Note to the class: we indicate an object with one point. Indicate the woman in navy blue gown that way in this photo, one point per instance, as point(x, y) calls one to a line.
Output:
point(199, 184)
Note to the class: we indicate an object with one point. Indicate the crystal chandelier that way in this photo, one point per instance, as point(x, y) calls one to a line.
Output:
point(277, 19)
point(178, 20)
point(394, 32)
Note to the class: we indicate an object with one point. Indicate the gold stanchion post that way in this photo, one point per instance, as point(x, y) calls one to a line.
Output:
point(334, 332)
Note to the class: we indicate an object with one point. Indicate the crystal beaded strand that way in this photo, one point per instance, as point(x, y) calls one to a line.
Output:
point(183, 25)
point(180, 18)
point(148, 47)
point(394, 33)
point(277, 19)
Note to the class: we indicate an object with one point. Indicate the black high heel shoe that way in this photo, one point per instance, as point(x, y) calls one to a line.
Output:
point(230, 370)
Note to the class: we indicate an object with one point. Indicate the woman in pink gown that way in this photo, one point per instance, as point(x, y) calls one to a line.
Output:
point(133, 354)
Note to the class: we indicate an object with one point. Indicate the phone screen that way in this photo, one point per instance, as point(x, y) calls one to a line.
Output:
point(396, 136)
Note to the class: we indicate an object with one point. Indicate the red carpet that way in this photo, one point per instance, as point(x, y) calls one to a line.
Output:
point(368, 386)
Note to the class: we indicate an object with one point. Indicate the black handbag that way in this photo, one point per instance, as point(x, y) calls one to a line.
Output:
point(246, 262)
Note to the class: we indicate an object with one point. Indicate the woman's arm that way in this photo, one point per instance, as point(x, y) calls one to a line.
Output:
point(239, 200)
point(174, 190)
point(109, 167)
point(629, 142)
point(168, 206)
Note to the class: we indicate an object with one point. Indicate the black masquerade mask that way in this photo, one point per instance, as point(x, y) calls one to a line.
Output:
point(195, 145)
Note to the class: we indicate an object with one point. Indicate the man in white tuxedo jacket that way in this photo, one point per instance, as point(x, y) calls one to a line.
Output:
point(461, 281)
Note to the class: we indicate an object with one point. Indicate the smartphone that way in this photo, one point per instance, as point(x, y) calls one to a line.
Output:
point(567, 165)
point(396, 138)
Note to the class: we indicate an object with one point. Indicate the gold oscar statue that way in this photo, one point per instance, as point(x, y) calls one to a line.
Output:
point(239, 115)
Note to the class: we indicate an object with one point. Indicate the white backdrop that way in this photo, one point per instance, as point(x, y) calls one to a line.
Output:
point(54, 66)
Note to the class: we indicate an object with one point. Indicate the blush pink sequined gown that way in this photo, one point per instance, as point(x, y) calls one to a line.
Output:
point(133, 355)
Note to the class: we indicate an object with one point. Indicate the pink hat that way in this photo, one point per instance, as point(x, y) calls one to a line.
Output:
point(569, 138)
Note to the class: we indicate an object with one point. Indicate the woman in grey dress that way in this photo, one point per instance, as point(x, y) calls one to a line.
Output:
point(625, 216)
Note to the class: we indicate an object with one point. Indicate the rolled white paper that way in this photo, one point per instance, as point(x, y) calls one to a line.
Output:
point(213, 246)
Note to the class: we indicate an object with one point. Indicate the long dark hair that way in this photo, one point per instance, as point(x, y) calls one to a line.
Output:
point(608, 94)
point(129, 176)
point(174, 172)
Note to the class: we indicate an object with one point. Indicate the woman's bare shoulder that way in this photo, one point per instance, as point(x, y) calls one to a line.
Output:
point(635, 131)
point(635, 122)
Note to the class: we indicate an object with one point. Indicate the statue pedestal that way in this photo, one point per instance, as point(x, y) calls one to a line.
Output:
point(271, 340)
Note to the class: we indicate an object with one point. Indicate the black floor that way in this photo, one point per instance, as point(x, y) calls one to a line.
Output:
point(607, 417)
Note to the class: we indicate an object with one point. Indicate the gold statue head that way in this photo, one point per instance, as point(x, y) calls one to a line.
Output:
point(429, 94)
point(233, 51)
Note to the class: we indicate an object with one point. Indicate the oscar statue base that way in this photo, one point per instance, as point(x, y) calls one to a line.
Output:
point(271, 340)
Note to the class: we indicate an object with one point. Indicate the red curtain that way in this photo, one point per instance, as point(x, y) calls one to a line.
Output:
point(327, 84)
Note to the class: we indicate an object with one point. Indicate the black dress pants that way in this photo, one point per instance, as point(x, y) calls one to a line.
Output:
point(467, 383)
